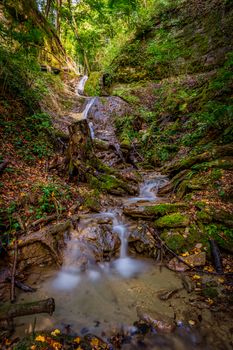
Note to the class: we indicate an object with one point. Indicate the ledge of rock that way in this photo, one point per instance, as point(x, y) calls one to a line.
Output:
point(153, 210)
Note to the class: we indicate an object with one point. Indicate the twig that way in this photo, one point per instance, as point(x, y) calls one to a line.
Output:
point(13, 271)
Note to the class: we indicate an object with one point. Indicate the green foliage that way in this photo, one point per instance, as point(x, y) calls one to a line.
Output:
point(126, 130)
point(93, 84)
point(30, 135)
point(125, 92)
point(221, 234)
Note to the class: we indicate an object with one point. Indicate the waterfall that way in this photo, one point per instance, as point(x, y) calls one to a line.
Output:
point(81, 85)
point(79, 92)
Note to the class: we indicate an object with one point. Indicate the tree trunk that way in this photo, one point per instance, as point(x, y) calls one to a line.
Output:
point(80, 150)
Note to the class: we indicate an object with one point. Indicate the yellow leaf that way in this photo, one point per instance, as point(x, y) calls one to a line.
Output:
point(79, 348)
point(185, 254)
point(94, 342)
point(55, 332)
point(40, 338)
point(209, 301)
point(196, 277)
point(56, 346)
point(33, 347)
point(191, 322)
point(77, 340)
point(221, 280)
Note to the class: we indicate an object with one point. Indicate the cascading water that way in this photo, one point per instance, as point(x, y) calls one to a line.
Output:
point(80, 86)
point(149, 189)
point(89, 104)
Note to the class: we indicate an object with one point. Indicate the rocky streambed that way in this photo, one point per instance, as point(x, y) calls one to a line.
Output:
point(111, 277)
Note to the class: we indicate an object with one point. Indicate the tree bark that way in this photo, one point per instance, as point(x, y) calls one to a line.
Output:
point(80, 150)
point(9, 311)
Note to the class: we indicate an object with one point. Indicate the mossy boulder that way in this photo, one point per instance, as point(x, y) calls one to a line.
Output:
point(112, 184)
point(93, 86)
point(174, 240)
point(173, 220)
point(154, 211)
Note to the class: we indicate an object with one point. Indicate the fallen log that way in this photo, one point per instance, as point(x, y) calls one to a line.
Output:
point(9, 311)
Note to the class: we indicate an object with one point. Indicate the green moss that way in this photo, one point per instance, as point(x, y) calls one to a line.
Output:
point(126, 92)
point(204, 216)
point(221, 234)
point(173, 220)
point(92, 200)
point(109, 183)
point(165, 208)
point(210, 292)
point(93, 84)
point(175, 241)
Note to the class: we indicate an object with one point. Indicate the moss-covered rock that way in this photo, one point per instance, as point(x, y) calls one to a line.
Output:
point(93, 85)
point(154, 211)
point(174, 240)
point(173, 220)
point(111, 184)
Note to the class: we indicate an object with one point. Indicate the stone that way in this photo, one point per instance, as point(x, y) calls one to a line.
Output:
point(193, 260)
point(160, 323)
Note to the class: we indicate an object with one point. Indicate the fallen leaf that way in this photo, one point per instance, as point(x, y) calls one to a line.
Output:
point(191, 322)
point(56, 332)
point(196, 277)
point(40, 338)
point(209, 301)
point(77, 340)
point(221, 280)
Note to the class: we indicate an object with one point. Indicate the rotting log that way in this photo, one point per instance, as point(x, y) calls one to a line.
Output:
point(8, 311)
point(80, 150)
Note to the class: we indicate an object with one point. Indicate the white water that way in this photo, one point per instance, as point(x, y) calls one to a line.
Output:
point(91, 100)
point(149, 189)
point(80, 86)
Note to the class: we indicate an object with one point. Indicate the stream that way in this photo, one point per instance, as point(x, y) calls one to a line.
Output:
point(103, 282)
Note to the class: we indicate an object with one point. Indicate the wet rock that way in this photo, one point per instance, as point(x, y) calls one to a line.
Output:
point(42, 247)
point(187, 283)
point(193, 260)
point(152, 210)
point(158, 322)
point(142, 241)
point(98, 242)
